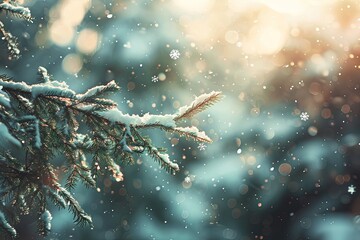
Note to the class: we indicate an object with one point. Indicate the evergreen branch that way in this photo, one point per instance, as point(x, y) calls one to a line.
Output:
point(72, 179)
point(17, 11)
point(163, 159)
point(11, 42)
point(98, 91)
point(107, 103)
point(192, 132)
point(154, 152)
point(44, 222)
point(4, 99)
point(46, 118)
point(55, 197)
point(6, 226)
point(114, 168)
point(85, 175)
point(9, 85)
point(80, 216)
point(188, 132)
point(198, 105)
point(44, 76)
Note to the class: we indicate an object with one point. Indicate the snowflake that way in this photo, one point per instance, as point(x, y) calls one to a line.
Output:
point(187, 179)
point(351, 189)
point(174, 54)
point(202, 147)
point(155, 79)
point(304, 116)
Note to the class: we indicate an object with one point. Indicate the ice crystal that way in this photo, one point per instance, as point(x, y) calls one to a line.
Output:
point(174, 54)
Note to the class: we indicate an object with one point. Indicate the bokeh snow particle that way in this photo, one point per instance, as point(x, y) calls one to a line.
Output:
point(174, 54)
point(304, 116)
point(155, 79)
point(351, 189)
point(202, 147)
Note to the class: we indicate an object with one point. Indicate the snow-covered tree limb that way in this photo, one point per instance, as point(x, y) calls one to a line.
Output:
point(87, 130)
point(43, 119)
point(198, 105)
point(16, 10)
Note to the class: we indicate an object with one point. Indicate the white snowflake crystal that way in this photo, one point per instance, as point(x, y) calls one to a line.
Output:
point(187, 179)
point(174, 54)
point(202, 147)
point(155, 79)
point(351, 189)
point(304, 116)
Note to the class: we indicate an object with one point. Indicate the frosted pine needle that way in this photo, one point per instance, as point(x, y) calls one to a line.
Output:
point(18, 11)
point(174, 54)
point(198, 105)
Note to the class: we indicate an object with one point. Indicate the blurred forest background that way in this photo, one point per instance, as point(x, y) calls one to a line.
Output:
point(286, 136)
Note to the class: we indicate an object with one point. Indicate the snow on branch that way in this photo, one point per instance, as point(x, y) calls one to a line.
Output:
point(117, 116)
point(4, 99)
point(198, 105)
point(6, 226)
point(11, 42)
point(44, 74)
point(193, 132)
point(98, 91)
point(49, 119)
point(18, 11)
point(51, 88)
point(7, 83)
point(164, 160)
point(80, 216)
point(45, 222)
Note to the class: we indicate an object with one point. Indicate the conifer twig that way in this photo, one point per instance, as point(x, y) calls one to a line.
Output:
point(18, 11)
point(198, 105)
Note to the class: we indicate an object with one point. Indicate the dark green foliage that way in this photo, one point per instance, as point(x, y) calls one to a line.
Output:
point(43, 121)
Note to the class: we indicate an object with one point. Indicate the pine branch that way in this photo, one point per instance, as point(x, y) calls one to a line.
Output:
point(154, 152)
point(45, 117)
point(11, 42)
point(80, 216)
point(114, 168)
point(192, 132)
point(198, 105)
point(17, 11)
point(98, 91)
point(44, 222)
point(55, 197)
point(6, 226)
point(44, 76)
point(163, 160)
point(4, 99)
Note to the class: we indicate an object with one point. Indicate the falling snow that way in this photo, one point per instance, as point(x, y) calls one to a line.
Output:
point(351, 189)
point(174, 54)
point(155, 79)
point(265, 166)
point(202, 147)
point(304, 116)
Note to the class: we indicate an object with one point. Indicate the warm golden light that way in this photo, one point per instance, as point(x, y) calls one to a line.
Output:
point(60, 33)
point(87, 41)
point(268, 35)
point(72, 63)
point(65, 17)
point(191, 6)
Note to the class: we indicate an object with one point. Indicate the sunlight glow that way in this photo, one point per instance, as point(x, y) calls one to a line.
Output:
point(65, 17)
point(191, 6)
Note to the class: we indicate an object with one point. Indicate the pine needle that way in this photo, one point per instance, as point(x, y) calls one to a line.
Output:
point(11, 42)
point(17, 11)
point(198, 105)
